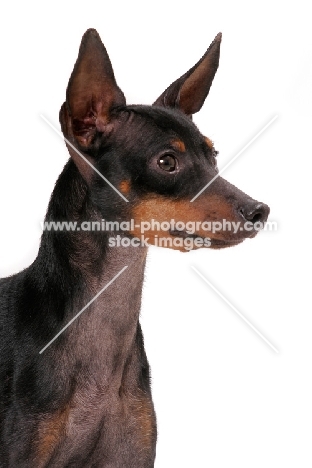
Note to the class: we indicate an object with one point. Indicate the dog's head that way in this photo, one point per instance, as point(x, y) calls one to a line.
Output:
point(151, 164)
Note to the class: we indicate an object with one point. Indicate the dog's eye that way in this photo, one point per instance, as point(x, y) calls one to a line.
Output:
point(168, 163)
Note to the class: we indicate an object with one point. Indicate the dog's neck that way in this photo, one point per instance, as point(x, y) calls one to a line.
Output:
point(104, 336)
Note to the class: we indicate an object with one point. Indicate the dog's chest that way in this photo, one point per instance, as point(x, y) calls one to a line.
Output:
point(100, 430)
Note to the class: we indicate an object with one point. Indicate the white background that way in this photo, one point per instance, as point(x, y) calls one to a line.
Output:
point(223, 397)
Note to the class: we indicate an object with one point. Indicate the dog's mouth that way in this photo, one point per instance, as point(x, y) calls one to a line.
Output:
point(214, 243)
point(222, 244)
point(183, 234)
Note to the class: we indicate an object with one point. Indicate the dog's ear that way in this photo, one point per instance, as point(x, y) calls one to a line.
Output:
point(92, 94)
point(189, 92)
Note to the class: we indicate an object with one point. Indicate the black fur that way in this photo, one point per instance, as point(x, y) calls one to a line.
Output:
point(86, 400)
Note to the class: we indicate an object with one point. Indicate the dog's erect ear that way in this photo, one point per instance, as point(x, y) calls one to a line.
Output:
point(92, 94)
point(92, 90)
point(189, 92)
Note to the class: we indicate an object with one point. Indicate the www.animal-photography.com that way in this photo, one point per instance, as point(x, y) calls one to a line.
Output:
point(154, 220)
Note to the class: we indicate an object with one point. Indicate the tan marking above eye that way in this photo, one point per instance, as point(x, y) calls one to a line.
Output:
point(178, 145)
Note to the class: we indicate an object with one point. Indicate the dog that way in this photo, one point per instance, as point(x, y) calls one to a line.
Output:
point(75, 387)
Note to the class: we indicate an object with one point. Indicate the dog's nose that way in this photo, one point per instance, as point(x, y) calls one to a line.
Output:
point(257, 212)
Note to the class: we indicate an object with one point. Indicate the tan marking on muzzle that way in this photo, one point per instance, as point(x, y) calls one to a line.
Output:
point(210, 208)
